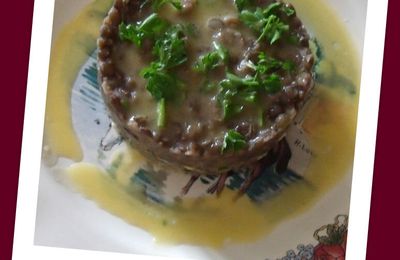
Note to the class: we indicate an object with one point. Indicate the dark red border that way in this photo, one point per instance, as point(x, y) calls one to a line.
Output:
point(385, 215)
point(16, 21)
point(383, 239)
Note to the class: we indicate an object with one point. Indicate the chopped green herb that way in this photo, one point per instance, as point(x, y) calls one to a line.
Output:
point(288, 65)
point(272, 83)
point(161, 113)
point(266, 21)
point(212, 59)
point(161, 84)
point(233, 141)
point(265, 65)
point(273, 8)
point(169, 51)
point(157, 4)
point(268, 64)
point(234, 80)
point(250, 96)
point(289, 11)
point(273, 29)
point(170, 48)
point(235, 92)
point(243, 4)
point(230, 109)
point(253, 19)
point(152, 27)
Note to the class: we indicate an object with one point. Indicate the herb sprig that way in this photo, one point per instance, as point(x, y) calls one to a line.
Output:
point(160, 83)
point(169, 51)
point(163, 85)
point(235, 92)
point(265, 21)
point(243, 4)
point(170, 48)
point(234, 141)
point(151, 27)
point(212, 59)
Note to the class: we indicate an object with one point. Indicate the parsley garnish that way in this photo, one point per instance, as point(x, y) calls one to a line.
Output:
point(170, 49)
point(268, 64)
point(233, 141)
point(161, 113)
point(273, 29)
point(152, 27)
point(212, 59)
point(235, 92)
point(269, 27)
point(163, 85)
point(272, 83)
point(266, 21)
point(242, 4)
point(160, 83)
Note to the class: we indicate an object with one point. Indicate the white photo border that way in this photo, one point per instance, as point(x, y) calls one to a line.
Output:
point(24, 247)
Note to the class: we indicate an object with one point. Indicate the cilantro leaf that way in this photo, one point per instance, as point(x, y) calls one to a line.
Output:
point(152, 27)
point(233, 141)
point(212, 59)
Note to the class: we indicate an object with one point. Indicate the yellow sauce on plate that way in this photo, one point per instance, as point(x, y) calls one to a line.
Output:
point(329, 124)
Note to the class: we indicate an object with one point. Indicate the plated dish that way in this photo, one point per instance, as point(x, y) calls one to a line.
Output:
point(205, 92)
point(148, 196)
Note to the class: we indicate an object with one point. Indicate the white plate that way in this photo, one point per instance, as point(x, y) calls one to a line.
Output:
point(66, 219)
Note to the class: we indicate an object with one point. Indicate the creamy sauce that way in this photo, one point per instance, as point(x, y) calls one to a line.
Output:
point(64, 65)
point(206, 221)
point(330, 125)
